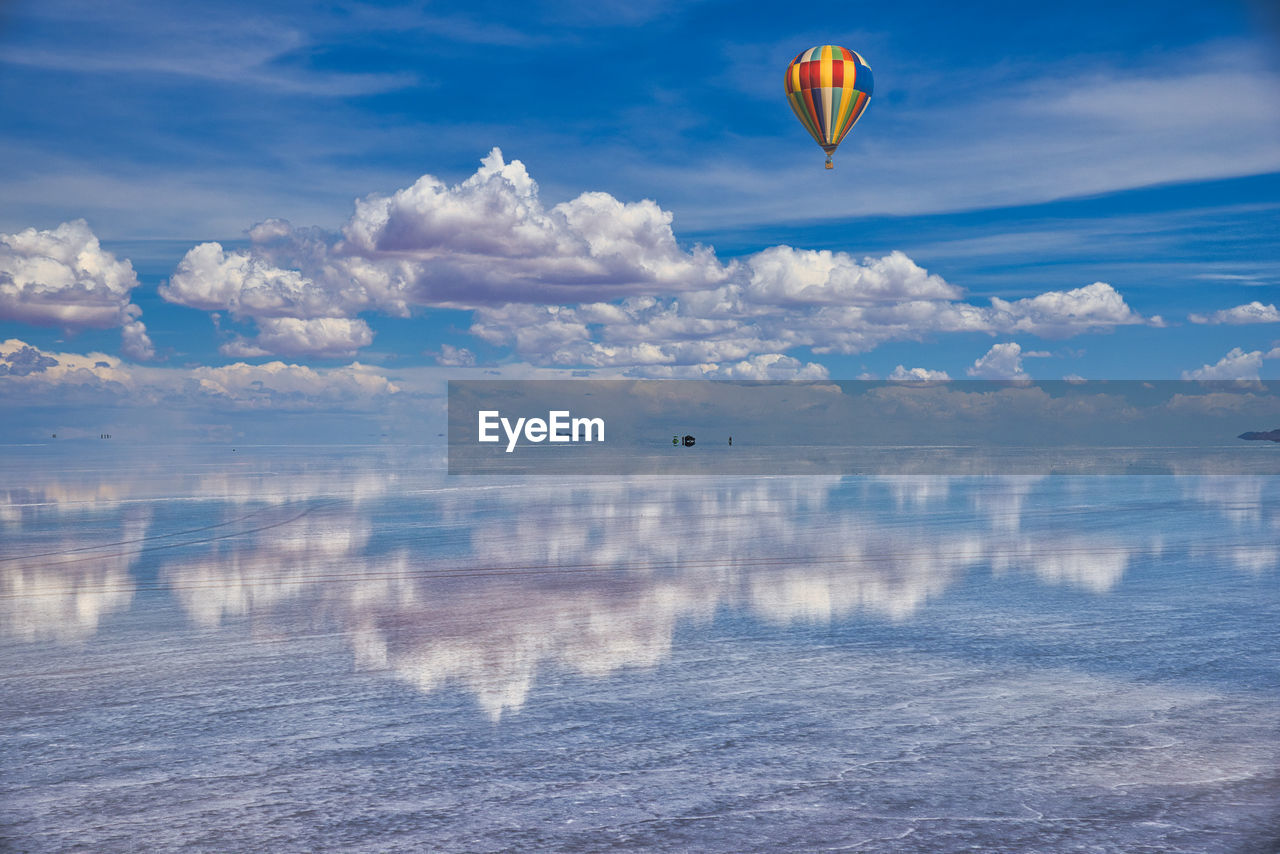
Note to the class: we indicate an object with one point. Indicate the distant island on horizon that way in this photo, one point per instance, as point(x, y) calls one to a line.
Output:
point(1269, 435)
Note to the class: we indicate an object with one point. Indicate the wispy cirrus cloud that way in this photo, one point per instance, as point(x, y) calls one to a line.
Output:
point(249, 47)
point(937, 138)
point(1002, 136)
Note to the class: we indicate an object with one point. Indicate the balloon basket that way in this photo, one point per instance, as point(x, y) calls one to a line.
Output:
point(829, 164)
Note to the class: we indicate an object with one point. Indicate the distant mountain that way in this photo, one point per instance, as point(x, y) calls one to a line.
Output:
point(1270, 435)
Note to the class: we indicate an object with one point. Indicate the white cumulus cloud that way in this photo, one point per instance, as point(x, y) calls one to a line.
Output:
point(782, 275)
point(592, 283)
point(904, 374)
point(28, 373)
point(486, 241)
point(296, 315)
point(1254, 312)
point(763, 366)
point(1236, 365)
point(1001, 362)
point(248, 284)
point(285, 386)
point(63, 277)
point(292, 336)
point(134, 340)
point(455, 357)
point(27, 365)
point(490, 239)
point(1062, 313)
point(735, 321)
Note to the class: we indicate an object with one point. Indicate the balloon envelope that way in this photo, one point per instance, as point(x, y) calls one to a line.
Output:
point(828, 87)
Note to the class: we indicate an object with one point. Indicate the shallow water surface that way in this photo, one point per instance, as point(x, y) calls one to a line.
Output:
point(303, 649)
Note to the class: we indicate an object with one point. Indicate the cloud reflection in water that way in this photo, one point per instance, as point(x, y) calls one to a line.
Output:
point(64, 586)
point(485, 584)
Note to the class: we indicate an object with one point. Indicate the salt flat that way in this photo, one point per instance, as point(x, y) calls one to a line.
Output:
point(303, 649)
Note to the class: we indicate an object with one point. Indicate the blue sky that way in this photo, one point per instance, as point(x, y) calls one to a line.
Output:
point(1086, 190)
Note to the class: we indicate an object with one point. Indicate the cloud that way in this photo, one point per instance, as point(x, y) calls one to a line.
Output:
point(18, 359)
point(489, 239)
point(1063, 313)
point(1236, 365)
point(248, 49)
point(247, 284)
point(333, 337)
point(763, 366)
point(455, 357)
point(296, 314)
point(902, 374)
point(29, 367)
point(134, 340)
point(29, 374)
point(785, 276)
point(284, 386)
point(1001, 362)
point(780, 299)
point(593, 283)
point(1254, 312)
point(735, 321)
point(63, 277)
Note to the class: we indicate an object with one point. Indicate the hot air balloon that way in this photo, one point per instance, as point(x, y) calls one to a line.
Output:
point(828, 87)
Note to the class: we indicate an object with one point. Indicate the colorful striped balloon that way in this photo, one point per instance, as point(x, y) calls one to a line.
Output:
point(828, 87)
